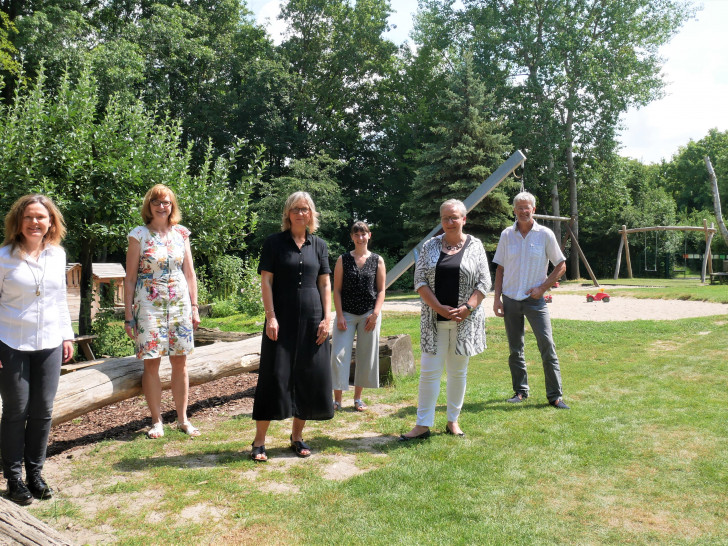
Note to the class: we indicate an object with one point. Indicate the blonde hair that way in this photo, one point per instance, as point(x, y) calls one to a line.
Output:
point(157, 192)
point(313, 222)
point(14, 221)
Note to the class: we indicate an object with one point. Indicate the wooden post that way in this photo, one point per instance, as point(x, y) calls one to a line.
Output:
point(581, 254)
point(626, 251)
point(706, 256)
point(619, 256)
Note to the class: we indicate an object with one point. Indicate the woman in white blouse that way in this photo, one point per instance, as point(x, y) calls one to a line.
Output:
point(35, 335)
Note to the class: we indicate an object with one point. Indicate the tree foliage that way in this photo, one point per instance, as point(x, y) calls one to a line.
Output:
point(97, 167)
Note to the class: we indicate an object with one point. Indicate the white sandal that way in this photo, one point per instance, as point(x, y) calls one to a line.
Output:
point(189, 429)
point(156, 431)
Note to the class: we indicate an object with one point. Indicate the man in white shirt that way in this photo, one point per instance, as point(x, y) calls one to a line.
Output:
point(523, 253)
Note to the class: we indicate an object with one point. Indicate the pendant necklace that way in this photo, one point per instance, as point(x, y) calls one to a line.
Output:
point(454, 247)
point(35, 279)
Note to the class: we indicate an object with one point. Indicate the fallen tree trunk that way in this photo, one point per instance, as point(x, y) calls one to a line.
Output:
point(206, 336)
point(116, 379)
point(17, 526)
point(121, 378)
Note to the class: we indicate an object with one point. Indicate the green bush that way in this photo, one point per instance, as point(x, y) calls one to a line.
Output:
point(112, 339)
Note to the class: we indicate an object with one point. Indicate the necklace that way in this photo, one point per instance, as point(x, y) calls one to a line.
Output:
point(454, 247)
point(42, 276)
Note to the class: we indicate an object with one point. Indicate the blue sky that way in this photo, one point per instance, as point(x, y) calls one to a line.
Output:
point(696, 69)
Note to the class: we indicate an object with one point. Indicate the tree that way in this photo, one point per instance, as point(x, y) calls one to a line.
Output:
point(467, 144)
point(317, 176)
point(574, 66)
point(8, 63)
point(97, 166)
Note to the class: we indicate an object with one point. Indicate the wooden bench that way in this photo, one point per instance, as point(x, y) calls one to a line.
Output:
point(84, 345)
point(718, 278)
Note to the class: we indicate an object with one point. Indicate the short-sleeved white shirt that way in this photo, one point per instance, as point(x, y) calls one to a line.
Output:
point(525, 260)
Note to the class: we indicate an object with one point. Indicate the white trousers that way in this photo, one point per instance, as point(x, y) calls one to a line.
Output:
point(431, 367)
point(366, 372)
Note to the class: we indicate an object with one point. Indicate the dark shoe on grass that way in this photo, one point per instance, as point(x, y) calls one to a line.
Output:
point(559, 404)
point(517, 398)
point(39, 488)
point(18, 493)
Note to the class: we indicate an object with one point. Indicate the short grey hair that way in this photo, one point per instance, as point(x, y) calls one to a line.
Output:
point(459, 205)
point(525, 196)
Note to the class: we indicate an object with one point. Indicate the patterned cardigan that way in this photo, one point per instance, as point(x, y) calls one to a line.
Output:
point(474, 275)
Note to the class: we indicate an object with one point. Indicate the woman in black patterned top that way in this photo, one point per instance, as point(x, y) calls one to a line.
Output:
point(359, 278)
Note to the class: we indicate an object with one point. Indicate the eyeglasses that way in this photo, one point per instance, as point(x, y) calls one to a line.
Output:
point(300, 210)
point(160, 203)
point(448, 219)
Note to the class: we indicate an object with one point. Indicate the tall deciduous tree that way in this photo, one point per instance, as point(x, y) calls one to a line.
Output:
point(574, 67)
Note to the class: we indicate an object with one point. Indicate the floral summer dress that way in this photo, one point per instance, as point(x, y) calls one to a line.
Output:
point(162, 307)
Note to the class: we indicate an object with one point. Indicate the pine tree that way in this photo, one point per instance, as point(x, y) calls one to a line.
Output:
point(466, 146)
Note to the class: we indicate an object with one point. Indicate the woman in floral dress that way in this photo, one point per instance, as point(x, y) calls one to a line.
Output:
point(162, 286)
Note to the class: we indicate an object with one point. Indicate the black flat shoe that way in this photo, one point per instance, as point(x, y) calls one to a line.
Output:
point(257, 451)
point(18, 493)
point(39, 488)
point(449, 431)
point(299, 447)
point(424, 436)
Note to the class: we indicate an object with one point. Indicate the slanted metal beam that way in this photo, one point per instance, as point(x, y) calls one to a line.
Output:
point(501, 173)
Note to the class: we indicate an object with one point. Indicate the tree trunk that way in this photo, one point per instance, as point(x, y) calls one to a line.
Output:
point(18, 526)
point(574, 258)
point(116, 379)
point(86, 289)
point(716, 200)
point(555, 202)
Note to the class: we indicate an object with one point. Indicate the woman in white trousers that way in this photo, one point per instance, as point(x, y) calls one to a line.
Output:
point(452, 278)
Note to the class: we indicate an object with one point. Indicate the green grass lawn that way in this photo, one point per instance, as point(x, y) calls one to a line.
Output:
point(641, 458)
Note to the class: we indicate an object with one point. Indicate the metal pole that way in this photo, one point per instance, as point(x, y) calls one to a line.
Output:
point(504, 171)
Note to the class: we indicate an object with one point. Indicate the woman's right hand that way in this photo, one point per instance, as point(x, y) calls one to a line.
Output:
point(271, 329)
point(340, 322)
point(447, 312)
point(129, 328)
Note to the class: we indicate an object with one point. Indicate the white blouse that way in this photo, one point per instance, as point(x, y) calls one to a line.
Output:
point(31, 321)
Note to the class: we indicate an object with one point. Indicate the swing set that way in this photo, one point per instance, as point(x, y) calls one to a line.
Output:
point(707, 258)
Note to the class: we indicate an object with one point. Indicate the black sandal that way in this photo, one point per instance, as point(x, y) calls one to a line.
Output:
point(299, 447)
point(256, 451)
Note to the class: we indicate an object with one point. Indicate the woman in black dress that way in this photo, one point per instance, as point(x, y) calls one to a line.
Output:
point(295, 373)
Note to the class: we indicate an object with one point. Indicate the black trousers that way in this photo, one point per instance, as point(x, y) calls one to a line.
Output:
point(28, 385)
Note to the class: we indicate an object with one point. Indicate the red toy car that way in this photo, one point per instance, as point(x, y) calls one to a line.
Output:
point(599, 296)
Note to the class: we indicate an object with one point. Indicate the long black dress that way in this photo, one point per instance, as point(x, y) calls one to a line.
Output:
point(295, 373)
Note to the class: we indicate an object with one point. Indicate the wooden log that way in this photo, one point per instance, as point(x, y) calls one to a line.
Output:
point(121, 378)
point(205, 336)
point(17, 526)
point(117, 379)
point(395, 358)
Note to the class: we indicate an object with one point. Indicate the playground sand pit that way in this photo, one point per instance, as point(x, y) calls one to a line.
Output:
point(575, 307)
